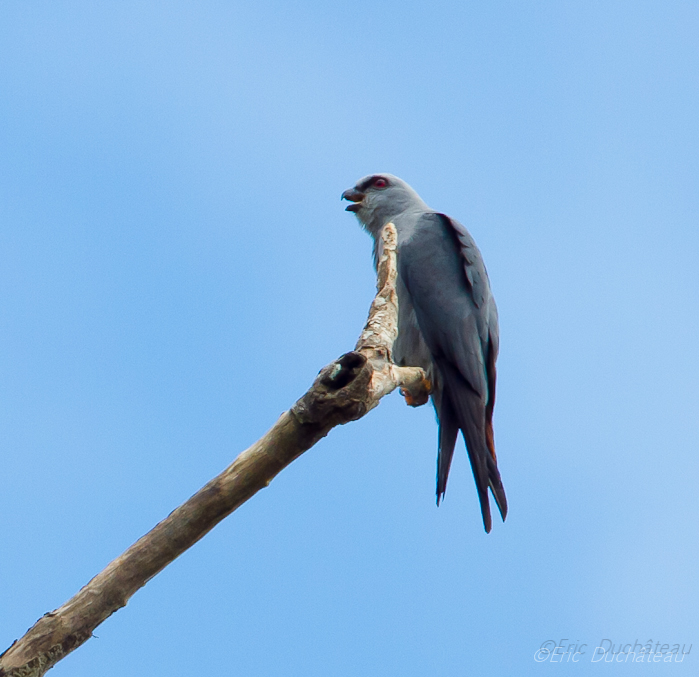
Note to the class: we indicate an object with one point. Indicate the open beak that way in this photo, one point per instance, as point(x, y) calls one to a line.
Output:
point(353, 195)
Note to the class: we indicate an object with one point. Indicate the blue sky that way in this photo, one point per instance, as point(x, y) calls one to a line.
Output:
point(176, 266)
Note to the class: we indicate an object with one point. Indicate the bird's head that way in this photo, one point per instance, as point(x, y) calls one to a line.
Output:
point(378, 198)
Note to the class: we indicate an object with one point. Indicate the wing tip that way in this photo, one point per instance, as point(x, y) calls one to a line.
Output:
point(498, 492)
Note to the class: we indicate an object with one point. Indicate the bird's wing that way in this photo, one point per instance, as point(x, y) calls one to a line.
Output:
point(444, 273)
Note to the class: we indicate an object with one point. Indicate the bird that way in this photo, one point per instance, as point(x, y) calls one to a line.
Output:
point(447, 323)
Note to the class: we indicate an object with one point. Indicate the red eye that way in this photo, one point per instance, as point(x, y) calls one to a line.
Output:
point(380, 183)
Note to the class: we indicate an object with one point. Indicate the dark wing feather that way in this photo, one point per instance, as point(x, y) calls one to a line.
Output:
point(447, 282)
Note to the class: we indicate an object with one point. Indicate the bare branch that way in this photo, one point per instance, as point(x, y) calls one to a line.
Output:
point(344, 391)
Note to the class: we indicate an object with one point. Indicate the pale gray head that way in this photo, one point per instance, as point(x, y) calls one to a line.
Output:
point(378, 198)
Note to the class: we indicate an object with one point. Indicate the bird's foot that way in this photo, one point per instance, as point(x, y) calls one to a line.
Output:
point(418, 394)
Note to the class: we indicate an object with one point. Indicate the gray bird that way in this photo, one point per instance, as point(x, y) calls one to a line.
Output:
point(447, 322)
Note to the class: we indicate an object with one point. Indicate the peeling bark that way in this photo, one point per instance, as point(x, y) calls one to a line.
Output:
point(343, 391)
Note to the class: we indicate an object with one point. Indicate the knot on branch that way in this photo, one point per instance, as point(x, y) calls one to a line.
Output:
point(343, 371)
point(340, 393)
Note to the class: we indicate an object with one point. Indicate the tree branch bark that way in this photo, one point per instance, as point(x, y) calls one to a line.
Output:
point(344, 391)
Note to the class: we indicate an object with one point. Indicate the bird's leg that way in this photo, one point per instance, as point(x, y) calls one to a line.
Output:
point(415, 391)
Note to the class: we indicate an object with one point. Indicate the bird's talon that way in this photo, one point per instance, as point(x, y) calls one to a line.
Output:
point(408, 397)
point(417, 396)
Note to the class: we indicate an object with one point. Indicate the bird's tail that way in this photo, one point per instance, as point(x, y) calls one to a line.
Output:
point(462, 409)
